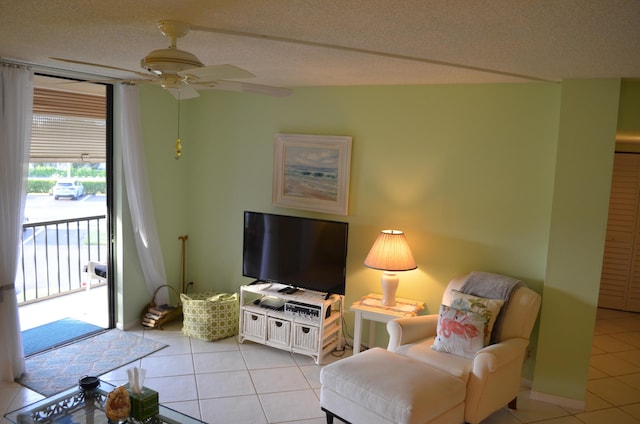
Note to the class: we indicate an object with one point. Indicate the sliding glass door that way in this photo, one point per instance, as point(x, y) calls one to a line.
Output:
point(63, 275)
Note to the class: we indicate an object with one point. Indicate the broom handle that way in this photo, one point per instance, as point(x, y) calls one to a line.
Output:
point(184, 239)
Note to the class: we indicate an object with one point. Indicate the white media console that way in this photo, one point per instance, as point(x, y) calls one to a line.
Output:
point(301, 322)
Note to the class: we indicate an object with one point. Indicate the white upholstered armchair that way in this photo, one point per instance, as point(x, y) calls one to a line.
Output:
point(492, 376)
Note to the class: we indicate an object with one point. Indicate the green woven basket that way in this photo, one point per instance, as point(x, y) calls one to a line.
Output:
point(210, 315)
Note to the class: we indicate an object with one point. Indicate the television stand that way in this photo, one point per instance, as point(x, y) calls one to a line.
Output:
point(310, 323)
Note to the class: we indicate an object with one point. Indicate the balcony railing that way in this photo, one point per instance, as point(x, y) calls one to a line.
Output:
point(54, 254)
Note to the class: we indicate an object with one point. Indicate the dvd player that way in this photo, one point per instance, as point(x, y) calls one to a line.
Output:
point(303, 310)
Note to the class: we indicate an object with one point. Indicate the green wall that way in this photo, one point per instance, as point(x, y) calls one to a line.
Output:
point(169, 191)
point(467, 171)
point(458, 168)
point(586, 144)
point(629, 115)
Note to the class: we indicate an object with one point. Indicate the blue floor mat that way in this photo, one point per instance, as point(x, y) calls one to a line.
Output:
point(55, 334)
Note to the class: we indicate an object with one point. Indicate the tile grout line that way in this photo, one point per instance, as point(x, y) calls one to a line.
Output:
point(195, 379)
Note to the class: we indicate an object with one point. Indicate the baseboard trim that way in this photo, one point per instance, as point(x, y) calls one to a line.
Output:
point(575, 404)
point(127, 326)
point(526, 383)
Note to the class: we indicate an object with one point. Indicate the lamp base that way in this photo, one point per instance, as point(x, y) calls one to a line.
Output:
point(389, 286)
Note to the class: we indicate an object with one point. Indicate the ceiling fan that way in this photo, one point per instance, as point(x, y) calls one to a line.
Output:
point(181, 72)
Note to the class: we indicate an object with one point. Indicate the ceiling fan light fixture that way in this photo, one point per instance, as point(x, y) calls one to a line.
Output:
point(172, 81)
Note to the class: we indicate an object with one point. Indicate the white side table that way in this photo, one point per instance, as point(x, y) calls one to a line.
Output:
point(370, 307)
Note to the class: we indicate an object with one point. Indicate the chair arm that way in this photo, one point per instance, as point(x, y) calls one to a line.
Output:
point(411, 329)
point(495, 356)
point(495, 378)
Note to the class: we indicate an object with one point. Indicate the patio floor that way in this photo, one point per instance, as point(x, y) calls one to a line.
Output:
point(89, 306)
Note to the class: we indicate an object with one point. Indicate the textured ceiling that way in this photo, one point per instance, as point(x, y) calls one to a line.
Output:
point(380, 41)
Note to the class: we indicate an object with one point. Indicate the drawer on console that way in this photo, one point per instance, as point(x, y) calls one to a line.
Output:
point(254, 324)
point(279, 331)
point(305, 336)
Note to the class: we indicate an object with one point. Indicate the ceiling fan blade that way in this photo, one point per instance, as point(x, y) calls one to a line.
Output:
point(244, 87)
point(184, 92)
point(215, 73)
point(102, 81)
point(110, 81)
point(115, 68)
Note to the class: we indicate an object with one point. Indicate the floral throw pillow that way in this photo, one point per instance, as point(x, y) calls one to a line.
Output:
point(459, 332)
point(487, 308)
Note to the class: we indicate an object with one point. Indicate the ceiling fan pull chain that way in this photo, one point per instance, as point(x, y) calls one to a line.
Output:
point(178, 142)
point(178, 148)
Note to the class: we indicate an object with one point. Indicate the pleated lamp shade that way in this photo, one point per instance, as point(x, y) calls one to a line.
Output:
point(390, 253)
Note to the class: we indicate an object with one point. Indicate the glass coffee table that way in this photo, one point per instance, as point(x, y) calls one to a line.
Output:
point(86, 407)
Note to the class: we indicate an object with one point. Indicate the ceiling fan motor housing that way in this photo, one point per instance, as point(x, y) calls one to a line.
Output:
point(170, 61)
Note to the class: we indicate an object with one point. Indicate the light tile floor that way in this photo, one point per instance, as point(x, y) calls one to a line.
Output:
point(226, 382)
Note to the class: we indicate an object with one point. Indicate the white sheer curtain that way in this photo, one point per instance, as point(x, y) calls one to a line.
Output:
point(140, 204)
point(16, 106)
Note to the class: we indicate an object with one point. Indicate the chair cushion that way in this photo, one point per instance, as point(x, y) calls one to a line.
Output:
point(457, 366)
point(400, 389)
point(487, 308)
point(459, 332)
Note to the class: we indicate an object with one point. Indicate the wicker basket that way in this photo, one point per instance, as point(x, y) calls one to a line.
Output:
point(210, 316)
point(305, 337)
point(170, 312)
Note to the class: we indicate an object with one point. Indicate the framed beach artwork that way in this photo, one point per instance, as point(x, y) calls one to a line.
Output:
point(311, 172)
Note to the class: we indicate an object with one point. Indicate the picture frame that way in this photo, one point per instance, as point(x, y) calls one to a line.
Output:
point(311, 172)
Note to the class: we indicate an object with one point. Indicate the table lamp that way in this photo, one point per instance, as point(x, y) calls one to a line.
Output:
point(390, 253)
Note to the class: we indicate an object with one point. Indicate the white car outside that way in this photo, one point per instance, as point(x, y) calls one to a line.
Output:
point(68, 188)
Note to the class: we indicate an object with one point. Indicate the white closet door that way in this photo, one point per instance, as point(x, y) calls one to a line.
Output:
point(632, 295)
point(620, 281)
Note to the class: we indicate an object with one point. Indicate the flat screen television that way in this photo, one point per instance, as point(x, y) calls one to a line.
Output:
point(303, 253)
